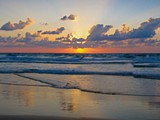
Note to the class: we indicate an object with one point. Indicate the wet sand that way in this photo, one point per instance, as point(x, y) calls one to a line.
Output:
point(13, 117)
point(22, 102)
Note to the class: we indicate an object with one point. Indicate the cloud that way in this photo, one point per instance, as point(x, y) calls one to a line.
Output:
point(64, 18)
point(78, 42)
point(18, 35)
point(35, 40)
point(98, 36)
point(29, 37)
point(67, 39)
point(3, 39)
point(58, 31)
point(39, 31)
point(98, 31)
point(15, 26)
point(71, 17)
point(34, 35)
point(146, 30)
point(71, 41)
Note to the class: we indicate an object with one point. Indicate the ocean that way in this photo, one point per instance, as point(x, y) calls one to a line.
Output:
point(112, 74)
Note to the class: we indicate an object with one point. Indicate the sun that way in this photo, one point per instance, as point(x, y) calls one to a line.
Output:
point(75, 36)
point(80, 50)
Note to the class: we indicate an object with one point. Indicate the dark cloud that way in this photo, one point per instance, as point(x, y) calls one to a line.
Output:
point(33, 40)
point(15, 26)
point(37, 40)
point(71, 41)
point(70, 17)
point(39, 31)
point(34, 35)
point(3, 39)
point(146, 30)
point(29, 37)
point(64, 18)
point(67, 39)
point(18, 35)
point(78, 42)
point(58, 31)
point(97, 32)
point(8, 41)
point(143, 42)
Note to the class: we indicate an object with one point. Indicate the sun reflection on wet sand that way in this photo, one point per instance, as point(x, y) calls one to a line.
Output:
point(69, 101)
point(24, 95)
point(48, 101)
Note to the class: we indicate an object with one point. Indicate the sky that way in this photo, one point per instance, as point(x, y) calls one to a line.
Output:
point(80, 26)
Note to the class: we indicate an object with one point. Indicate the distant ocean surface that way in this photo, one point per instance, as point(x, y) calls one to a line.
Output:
point(117, 74)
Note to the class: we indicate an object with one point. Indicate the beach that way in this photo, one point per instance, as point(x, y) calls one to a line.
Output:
point(43, 118)
point(80, 86)
point(43, 102)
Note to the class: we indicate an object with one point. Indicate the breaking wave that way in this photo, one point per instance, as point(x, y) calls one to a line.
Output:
point(150, 74)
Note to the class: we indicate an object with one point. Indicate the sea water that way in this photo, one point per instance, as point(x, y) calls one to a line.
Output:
point(115, 74)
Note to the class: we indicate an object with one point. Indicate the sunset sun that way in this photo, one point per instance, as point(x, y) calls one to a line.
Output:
point(80, 50)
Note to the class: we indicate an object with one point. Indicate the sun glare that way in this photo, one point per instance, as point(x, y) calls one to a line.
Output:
point(75, 36)
point(80, 50)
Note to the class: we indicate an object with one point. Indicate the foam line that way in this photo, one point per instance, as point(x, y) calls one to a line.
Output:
point(79, 88)
point(23, 84)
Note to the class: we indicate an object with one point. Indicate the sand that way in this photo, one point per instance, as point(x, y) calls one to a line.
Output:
point(13, 117)
point(22, 102)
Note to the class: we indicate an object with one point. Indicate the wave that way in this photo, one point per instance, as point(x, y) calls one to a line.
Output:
point(70, 85)
point(69, 62)
point(116, 93)
point(134, 65)
point(81, 58)
point(138, 74)
point(51, 84)
point(149, 65)
point(150, 74)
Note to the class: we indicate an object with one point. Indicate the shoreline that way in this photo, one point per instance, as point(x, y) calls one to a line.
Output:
point(81, 90)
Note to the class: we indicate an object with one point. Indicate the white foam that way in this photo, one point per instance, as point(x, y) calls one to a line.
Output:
point(115, 85)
